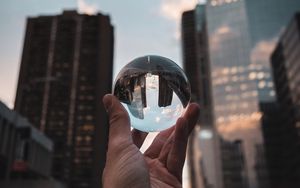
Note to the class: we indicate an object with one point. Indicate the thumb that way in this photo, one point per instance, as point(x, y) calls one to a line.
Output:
point(119, 122)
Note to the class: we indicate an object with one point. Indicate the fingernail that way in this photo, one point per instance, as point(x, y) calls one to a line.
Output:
point(107, 100)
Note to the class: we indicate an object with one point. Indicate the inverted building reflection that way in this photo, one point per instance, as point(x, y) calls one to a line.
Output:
point(132, 87)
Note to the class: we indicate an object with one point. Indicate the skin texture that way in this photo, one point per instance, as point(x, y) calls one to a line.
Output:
point(162, 163)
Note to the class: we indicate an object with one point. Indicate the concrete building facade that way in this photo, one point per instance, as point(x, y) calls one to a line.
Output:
point(66, 69)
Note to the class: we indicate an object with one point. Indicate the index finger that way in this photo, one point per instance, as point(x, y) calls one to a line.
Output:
point(185, 125)
point(119, 123)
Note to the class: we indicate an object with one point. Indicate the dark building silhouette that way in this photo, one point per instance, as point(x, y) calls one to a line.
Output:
point(272, 126)
point(66, 69)
point(196, 60)
point(189, 56)
point(281, 119)
point(25, 153)
point(32, 183)
point(197, 67)
point(165, 93)
point(233, 165)
point(260, 166)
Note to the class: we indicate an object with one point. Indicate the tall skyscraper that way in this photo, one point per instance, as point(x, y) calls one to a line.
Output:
point(283, 137)
point(188, 31)
point(242, 35)
point(197, 67)
point(66, 68)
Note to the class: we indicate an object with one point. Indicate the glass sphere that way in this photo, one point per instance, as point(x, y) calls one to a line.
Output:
point(155, 92)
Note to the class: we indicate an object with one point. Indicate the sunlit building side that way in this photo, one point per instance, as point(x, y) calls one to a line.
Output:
point(235, 98)
point(242, 35)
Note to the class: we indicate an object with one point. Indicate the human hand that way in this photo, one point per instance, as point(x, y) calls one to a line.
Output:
point(162, 163)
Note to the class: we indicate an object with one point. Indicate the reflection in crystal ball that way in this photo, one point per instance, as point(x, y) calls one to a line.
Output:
point(155, 92)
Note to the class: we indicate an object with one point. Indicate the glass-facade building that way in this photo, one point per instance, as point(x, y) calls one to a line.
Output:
point(242, 35)
point(235, 97)
point(203, 147)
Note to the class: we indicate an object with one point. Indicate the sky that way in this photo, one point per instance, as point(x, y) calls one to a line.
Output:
point(142, 27)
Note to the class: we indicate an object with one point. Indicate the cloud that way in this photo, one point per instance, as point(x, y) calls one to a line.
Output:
point(262, 51)
point(86, 8)
point(173, 9)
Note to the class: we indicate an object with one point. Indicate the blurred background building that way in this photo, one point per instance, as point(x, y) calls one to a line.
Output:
point(282, 135)
point(196, 65)
point(241, 36)
point(65, 71)
point(233, 164)
point(25, 153)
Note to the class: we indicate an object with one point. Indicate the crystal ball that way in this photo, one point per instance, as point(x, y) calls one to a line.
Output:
point(155, 92)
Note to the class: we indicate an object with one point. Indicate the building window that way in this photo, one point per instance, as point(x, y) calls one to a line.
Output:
point(87, 128)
